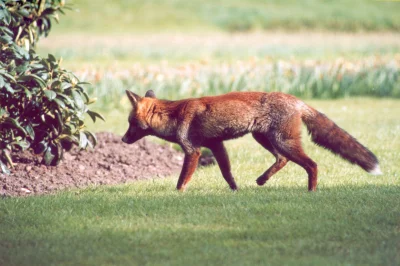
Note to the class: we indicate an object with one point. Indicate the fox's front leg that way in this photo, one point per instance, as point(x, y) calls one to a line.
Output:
point(189, 165)
point(219, 151)
point(192, 155)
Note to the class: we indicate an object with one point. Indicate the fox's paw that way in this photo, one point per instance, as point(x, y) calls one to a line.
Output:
point(234, 187)
point(181, 188)
point(261, 181)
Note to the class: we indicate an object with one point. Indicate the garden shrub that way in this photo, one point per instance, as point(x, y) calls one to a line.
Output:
point(42, 106)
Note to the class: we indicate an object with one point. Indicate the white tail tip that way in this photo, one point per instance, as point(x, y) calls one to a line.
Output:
point(376, 170)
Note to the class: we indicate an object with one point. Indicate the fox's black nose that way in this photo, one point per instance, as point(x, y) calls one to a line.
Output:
point(124, 139)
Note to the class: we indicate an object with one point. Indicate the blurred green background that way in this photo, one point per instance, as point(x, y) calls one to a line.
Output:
point(232, 15)
point(178, 30)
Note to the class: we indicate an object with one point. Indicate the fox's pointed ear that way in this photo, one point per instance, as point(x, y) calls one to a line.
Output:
point(133, 98)
point(150, 94)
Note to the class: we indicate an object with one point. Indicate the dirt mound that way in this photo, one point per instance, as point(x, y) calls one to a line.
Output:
point(111, 162)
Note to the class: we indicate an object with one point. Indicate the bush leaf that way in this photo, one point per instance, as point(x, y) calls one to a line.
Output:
point(49, 155)
point(93, 115)
point(82, 140)
point(51, 95)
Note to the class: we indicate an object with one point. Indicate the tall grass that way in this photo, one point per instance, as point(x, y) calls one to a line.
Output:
point(305, 79)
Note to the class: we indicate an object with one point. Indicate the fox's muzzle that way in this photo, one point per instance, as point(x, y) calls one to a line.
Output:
point(125, 139)
point(130, 138)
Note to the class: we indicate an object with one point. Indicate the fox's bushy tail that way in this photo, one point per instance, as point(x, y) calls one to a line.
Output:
point(324, 132)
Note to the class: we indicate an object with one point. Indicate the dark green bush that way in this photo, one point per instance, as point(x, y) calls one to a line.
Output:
point(42, 106)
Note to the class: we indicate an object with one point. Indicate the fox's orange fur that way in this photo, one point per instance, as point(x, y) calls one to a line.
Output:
point(274, 119)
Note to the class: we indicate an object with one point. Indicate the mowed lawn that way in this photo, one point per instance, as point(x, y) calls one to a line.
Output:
point(353, 218)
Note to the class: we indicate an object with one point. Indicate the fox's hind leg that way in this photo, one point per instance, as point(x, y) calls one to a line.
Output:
point(281, 160)
point(220, 154)
point(287, 141)
point(294, 152)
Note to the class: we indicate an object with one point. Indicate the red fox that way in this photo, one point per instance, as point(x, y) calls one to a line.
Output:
point(274, 119)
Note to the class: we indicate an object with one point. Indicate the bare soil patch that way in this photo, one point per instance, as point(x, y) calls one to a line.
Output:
point(111, 162)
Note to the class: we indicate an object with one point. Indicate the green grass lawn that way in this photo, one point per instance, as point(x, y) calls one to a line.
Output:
point(353, 218)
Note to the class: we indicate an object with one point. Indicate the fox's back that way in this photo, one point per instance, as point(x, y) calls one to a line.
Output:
point(237, 113)
point(227, 116)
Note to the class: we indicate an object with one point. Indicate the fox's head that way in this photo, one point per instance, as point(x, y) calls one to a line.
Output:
point(138, 126)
